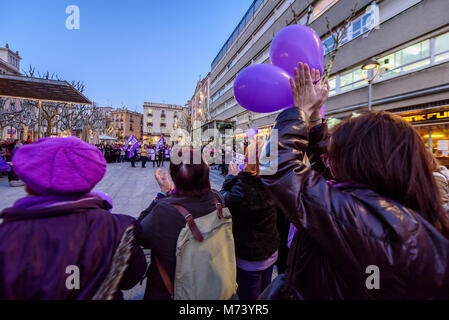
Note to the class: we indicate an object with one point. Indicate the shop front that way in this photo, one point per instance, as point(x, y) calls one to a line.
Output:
point(433, 127)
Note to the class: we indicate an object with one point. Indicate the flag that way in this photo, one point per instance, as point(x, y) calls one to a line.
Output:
point(134, 145)
point(131, 136)
point(160, 143)
point(4, 166)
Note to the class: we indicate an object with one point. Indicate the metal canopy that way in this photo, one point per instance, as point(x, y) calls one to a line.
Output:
point(40, 89)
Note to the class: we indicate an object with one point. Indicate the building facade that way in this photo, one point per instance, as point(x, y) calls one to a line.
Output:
point(199, 104)
point(408, 38)
point(160, 119)
point(124, 123)
point(10, 65)
point(9, 61)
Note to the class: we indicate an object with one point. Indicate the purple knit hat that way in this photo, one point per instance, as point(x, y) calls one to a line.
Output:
point(59, 166)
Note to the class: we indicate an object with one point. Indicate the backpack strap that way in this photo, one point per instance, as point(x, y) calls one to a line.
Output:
point(190, 221)
point(219, 208)
point(165, 278)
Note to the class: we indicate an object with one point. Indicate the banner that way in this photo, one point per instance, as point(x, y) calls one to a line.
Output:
point(160, 143)
point(131, 136)
point(134, 145)
point(4, 166)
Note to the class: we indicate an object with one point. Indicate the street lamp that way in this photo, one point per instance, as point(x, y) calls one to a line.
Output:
point(371, 68)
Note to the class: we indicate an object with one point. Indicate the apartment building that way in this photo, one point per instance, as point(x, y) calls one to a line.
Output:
point(9, 61)
point(199, 103)
point(408, 38)
point(10, 65)
point(160, 119)
point(124, 123)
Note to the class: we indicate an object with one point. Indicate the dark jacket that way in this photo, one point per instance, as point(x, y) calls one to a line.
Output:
point(161, 224)
point(38, 242)
point(343, 231)
point(254, 215)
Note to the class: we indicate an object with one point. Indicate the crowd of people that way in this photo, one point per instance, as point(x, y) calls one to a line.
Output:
point(7, 150)
point(363, 196)
point(116, 153)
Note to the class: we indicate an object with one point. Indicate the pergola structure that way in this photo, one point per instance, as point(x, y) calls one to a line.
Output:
point(20, 87)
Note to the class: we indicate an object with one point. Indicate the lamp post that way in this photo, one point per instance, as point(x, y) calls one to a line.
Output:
point(371, 68)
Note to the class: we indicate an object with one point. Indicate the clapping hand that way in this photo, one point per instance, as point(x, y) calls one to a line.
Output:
point(163, 181)
point(308, 96)
point(233, 169)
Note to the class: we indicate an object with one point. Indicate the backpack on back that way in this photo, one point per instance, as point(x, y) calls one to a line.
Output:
point(205, 258)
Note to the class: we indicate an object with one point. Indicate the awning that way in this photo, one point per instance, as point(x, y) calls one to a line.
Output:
point(40, 89)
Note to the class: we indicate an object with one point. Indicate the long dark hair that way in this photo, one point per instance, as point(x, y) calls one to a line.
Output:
point(190, 179)
point(385, 153)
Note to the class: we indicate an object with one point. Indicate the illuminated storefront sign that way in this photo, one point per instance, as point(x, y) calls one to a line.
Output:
point(427, 117)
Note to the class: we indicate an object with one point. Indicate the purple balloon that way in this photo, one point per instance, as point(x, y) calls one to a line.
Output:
point(295, 44)
point(263, 88)
point(252, 132)
point(323, 111)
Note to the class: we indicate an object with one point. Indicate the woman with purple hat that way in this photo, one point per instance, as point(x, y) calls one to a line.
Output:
point(60, 241)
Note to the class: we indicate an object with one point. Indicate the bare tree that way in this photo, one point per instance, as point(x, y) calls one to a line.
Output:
point(25, 117)
point(185, 122)
point(3, 113)
point(337, 33)
point(56, 114)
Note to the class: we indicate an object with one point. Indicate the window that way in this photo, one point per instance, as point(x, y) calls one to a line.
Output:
point(356, 28)
point(359, 26)
point(351, 80)
point(407, 59)
point(329, 45)
point(321, 7)
point(442, 47)
point(332, 86)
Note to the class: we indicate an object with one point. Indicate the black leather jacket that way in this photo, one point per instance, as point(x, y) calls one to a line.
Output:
point(343, 231)
point(254, 215)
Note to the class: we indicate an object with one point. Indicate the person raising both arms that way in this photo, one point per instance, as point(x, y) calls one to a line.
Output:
point(382, 210)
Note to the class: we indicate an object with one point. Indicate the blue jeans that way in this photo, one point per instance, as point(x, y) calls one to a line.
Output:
point(252, 283)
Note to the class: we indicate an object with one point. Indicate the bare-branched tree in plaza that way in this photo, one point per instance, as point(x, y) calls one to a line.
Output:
point(337, 33)
point(57, 114)
point(25, 116)
point(93, 118)
point(3, 113)
point(185, 122)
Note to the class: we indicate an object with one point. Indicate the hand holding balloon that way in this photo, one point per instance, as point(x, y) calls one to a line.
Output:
point(308, 96)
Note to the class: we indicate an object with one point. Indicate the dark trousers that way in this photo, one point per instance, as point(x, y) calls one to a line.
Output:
point(252, 283)
point(283, 226)
point(160, 161)
point(144, 160)
point(133, 162)
point(154, 163)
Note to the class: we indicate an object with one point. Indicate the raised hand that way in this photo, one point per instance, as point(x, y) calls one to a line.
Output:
point(163, 181)
point(233, 169)
point(307, 96)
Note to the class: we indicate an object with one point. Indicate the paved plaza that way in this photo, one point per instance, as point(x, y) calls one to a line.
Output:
point(131, 189)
